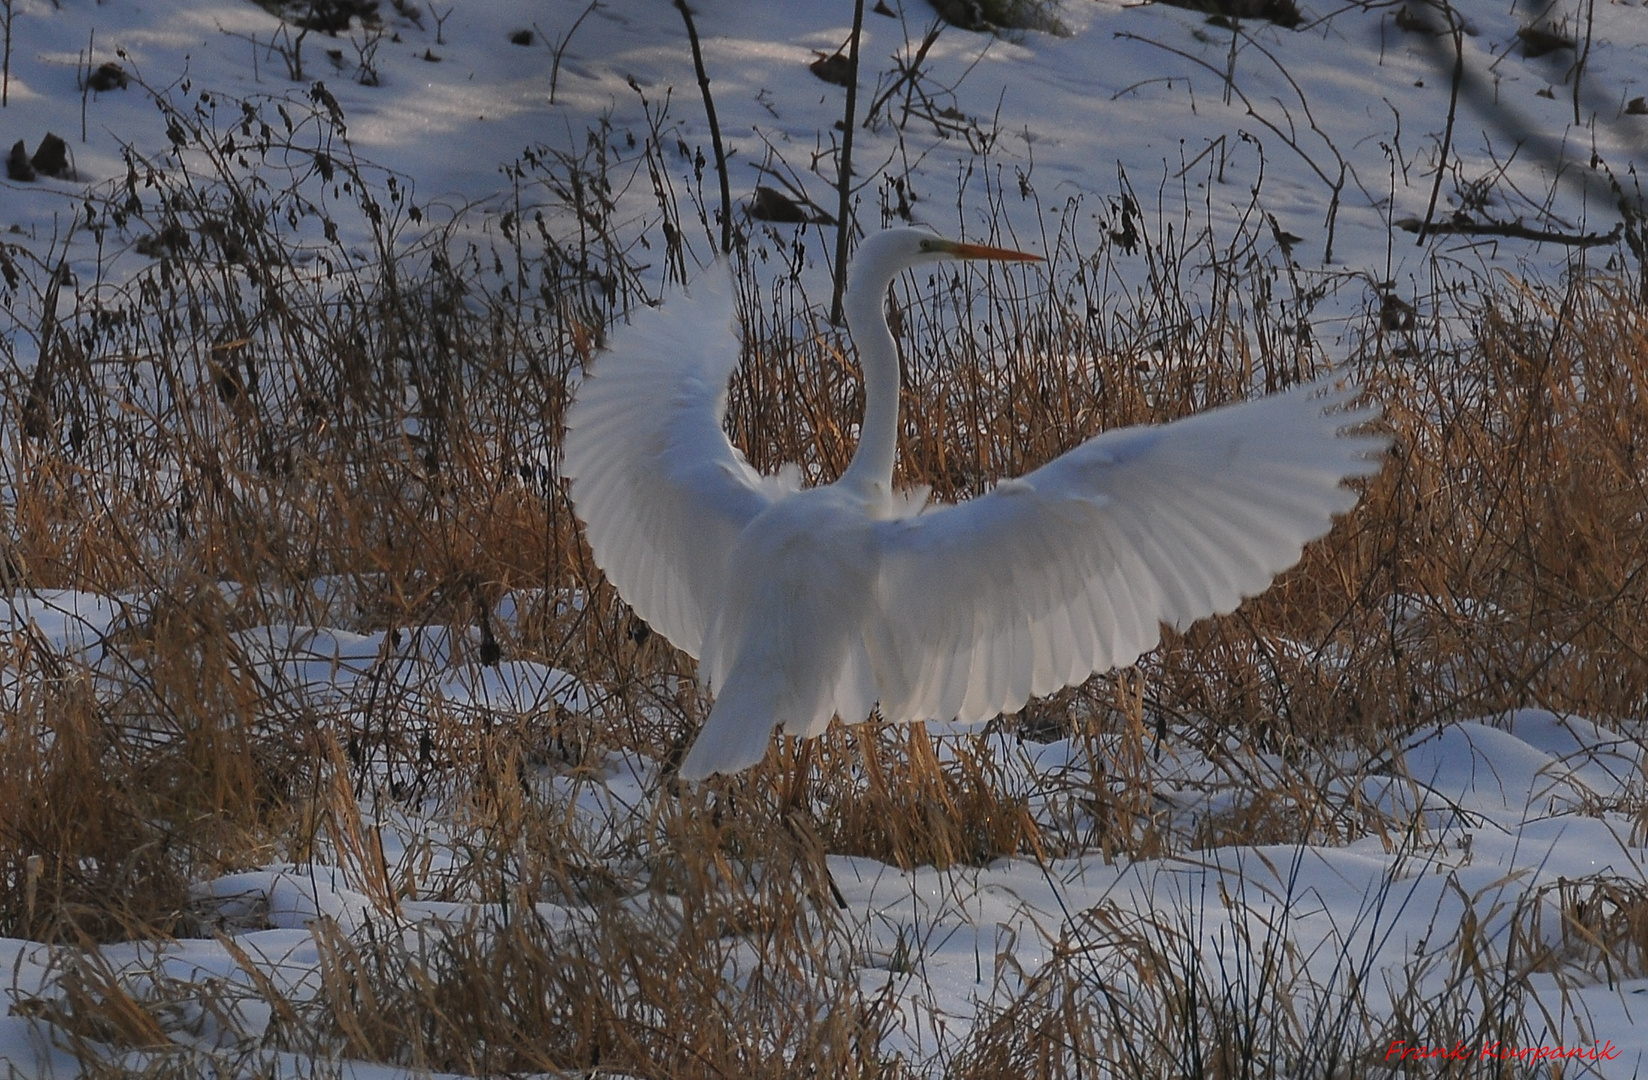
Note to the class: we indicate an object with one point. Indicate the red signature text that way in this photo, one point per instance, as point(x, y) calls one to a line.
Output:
point(1499, 1051)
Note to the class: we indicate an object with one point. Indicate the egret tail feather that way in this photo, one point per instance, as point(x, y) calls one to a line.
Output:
point(734, 736)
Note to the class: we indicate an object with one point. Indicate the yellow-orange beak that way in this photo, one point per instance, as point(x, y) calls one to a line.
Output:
point(959, 250)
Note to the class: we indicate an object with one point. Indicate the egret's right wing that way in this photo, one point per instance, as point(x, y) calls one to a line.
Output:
point(1072, 569)
point(662, 492)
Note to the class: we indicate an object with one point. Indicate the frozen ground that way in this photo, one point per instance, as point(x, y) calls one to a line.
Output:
point(1331, 133)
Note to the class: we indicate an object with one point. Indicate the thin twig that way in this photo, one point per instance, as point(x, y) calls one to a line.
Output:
point(1289, 136)
point(1456, 28)
point(907, 73)
point(1584, 56)
point(715, 127)
point(559, 49)
point(844, 178)
point(5, 63)
point(1513, 229)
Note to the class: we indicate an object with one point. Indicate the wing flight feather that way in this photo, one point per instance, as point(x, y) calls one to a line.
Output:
point(1073, 568)
point(662, 492)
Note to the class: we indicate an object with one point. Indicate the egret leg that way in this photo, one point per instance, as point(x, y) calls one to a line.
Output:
point(796, 784)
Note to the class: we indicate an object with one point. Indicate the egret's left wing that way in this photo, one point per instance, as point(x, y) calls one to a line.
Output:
point(1074, 568)
point(663, 494)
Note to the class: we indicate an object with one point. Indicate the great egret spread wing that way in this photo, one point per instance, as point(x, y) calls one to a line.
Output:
point(662, 493)
point(1073, 568)
point(806, 605)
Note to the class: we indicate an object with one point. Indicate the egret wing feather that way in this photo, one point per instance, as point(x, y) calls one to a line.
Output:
point(662, 492)
point(1073, 568)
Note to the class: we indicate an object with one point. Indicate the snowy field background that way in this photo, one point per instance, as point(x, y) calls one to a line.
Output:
point(1458, 878)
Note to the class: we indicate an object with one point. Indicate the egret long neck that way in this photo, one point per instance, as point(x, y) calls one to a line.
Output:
point(872, 463)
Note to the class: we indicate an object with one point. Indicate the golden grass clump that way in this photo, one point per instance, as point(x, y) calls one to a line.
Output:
point(1601, 928)
point(129, 777)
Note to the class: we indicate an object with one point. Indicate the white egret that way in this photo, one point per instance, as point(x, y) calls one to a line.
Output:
point(803, 605)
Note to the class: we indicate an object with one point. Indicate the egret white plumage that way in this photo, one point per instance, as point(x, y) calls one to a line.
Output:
point(803, 605)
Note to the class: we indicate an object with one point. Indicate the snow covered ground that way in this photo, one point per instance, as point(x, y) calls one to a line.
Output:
point(1502, 820)
point(1333, 131)
point(1329, 135)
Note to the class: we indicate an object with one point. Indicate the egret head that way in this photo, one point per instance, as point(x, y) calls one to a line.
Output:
point(884, 254)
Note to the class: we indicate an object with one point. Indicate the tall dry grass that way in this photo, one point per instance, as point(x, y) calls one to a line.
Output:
point(298, 396)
